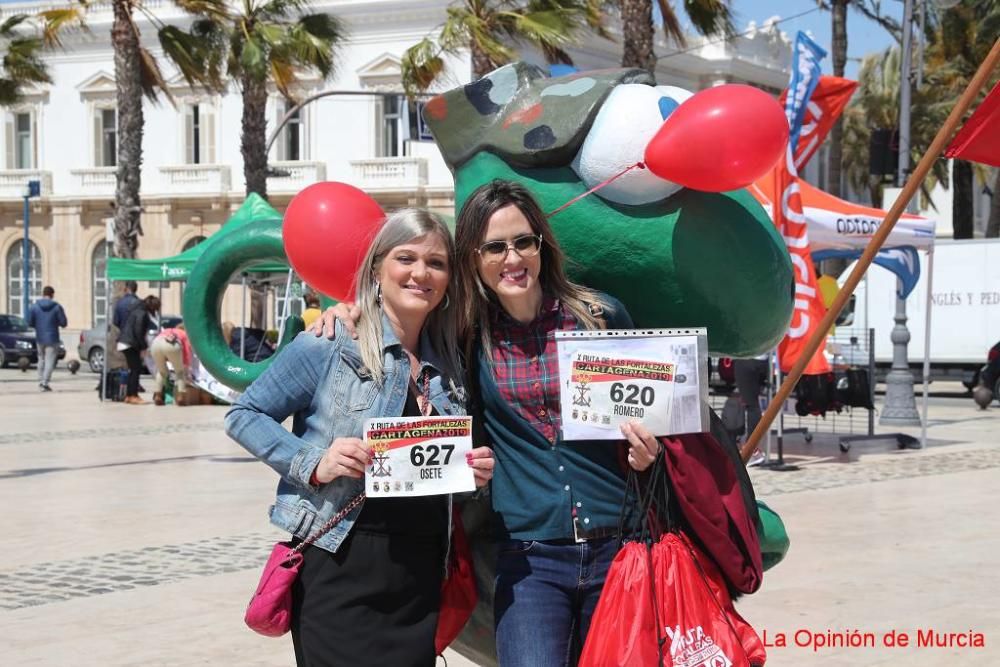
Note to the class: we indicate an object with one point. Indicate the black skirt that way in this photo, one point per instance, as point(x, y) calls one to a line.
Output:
point(374, 602)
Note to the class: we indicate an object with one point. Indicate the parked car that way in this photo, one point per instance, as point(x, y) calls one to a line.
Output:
point(17, 341)
point(91, 346)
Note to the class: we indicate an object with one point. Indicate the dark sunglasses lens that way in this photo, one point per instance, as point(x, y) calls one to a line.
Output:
point(494, 248)
point(526, 243)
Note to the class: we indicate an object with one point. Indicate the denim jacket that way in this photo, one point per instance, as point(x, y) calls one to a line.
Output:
point(330, 393)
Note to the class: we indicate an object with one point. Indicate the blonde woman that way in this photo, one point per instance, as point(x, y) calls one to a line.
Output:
point(369, 590)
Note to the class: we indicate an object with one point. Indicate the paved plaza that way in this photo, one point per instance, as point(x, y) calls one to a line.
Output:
point(134, 535)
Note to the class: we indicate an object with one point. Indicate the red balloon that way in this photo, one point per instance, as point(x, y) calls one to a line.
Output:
point(327, 230)
point(722, 138)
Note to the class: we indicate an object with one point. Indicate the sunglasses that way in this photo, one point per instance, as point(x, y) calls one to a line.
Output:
point(526, 245)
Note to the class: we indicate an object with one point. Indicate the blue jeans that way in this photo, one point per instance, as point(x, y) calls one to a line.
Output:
point(546, 593)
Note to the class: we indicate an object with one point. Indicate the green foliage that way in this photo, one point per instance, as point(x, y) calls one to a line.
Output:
point(875, 106)
point(22, 62)
point(492, 29)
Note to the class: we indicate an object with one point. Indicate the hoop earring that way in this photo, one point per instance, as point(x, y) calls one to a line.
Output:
point(447, 302)
point(378, 293)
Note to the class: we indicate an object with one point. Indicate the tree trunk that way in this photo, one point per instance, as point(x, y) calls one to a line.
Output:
point(839, 55)
point(481, 63)
point(993, 226)
point(128, 84)
point(253, 138)
point(961, 202)
point(637, 35)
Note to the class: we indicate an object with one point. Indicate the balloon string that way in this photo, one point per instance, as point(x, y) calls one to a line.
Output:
point(637, 165)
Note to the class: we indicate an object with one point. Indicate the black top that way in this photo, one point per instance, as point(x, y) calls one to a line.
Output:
point(419, 515)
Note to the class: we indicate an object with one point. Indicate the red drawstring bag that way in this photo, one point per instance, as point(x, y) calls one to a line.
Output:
point(695, 611)
point(458, 590)
point(623, 627)
point(665, 604)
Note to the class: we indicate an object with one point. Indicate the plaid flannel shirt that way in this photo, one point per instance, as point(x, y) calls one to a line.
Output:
point(527, 366)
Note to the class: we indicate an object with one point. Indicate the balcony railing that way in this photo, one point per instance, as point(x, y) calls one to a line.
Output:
point(13, 182)
point(293, 176)
point(95, 181)
point(390, 173)
point(196, 178)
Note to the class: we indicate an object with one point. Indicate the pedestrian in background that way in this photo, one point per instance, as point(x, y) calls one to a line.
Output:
point(312, 310)
point(126, 303)
point(46, 316)
point(132, 342)
point(171, 345)
point(751, 376)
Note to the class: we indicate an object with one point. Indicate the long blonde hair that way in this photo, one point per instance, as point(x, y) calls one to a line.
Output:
point(476, 298)
point(441, 325)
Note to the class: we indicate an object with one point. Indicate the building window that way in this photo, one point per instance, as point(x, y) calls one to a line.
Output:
point(392, 116)
point(194, 136)
point(99, 282)
point(21, 140)
point(400, 122)
point(199, 134)
point(105, 138)
point(291, 139)
point(15, 277)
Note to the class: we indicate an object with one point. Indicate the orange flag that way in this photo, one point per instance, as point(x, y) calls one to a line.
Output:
point(786, 210)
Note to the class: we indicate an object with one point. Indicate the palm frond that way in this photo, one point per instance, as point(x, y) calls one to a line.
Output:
point(217, 10)
point(312, 42)
point(196, 56)
point(671, 24)
point(283, 75)
point(710, 17)
point(152, 80)
point(280, 9)
point(54, 21)
point(9, 26)
point(420, 66)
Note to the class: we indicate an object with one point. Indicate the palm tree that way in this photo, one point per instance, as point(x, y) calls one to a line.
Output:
point(876, 107)
point(490, 29)
point(963, 37)
point(22, 63)
point(138, 74)
point(838, 55)
point(709, 17)
point(263, 42)
point(270, 41)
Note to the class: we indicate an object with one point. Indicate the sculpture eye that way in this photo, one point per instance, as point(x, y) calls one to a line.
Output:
point(627, 121)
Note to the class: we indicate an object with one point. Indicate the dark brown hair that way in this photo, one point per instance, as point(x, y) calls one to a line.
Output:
point(470, 231)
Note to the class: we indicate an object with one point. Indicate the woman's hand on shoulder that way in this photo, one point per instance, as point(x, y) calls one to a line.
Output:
point(346, 457)
point(643, 448)
point(482, 462)
point(326, 324)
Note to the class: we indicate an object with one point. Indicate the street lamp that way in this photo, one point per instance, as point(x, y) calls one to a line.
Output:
point(32, 189)
point(900, 407)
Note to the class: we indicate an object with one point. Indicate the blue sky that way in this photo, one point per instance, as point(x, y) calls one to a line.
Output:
point(864, 36)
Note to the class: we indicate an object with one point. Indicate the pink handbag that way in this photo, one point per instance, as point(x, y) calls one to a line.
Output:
point(270, 610)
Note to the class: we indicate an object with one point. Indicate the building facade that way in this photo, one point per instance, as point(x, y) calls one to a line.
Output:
point(64, 136)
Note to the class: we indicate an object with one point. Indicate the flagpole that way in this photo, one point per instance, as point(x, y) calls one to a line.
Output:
point(944, 135)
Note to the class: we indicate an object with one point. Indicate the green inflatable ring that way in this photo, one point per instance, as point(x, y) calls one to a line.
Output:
point(256, 243)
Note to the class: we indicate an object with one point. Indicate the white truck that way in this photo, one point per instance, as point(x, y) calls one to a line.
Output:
point(965, 310)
